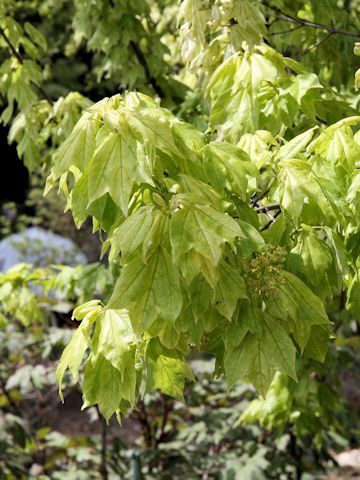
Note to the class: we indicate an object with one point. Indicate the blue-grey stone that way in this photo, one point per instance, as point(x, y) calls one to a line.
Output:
point(39, 247)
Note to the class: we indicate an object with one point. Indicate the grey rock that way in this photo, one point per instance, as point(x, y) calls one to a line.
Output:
point(39, 247)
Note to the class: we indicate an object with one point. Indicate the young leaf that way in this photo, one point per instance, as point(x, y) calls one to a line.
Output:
point(128, 237)
point(311, 260)
point(304, 309)
point(104, 385)
point(74, 352)
point(113, 170)
point(203, 229)
point(78, 148)
point(229, 289)
point(115, 337)
point(169, 376)
point(259, 358)
point(148, 290)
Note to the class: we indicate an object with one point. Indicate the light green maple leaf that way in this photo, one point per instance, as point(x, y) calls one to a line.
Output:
point(258, 358)
point(149, 290)
point(203, 229)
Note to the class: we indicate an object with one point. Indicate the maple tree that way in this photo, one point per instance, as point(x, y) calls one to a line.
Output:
point(228, 206)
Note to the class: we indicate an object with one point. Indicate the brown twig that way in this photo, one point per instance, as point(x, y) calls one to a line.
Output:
point(289, 30)
point(143, 418)
point(280, 15)
point(313, 46)
point(267, 208)
point(142, 60)
point(256, 200)
point(167, 409)
point(270, 222)
point(103, 470)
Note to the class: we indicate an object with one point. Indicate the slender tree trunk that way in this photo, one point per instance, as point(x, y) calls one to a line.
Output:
point(103, 470)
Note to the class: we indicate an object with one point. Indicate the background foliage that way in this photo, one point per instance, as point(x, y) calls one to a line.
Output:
point(220, 173)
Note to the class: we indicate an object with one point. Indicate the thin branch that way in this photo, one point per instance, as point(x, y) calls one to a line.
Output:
point(150, 78)
point(315, 45)
point(103, 470)
point(289, 30)
point(11, 46)
point(167, 409)
point(21, 60)
point(280, 15)
point(267, 208)
point(271, 221)
point(256, 200)
point(147, 430)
